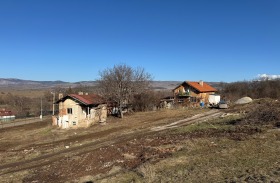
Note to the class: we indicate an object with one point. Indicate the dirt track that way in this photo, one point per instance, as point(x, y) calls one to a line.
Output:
point(105, 139)
point(121, 141)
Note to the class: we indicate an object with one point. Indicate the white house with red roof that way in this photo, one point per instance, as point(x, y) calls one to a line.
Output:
point(80, 110)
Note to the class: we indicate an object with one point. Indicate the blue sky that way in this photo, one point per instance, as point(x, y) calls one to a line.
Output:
point(72, 40)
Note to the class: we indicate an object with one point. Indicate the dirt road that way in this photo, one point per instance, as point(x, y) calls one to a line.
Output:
point(105, 140)
point(197, 118)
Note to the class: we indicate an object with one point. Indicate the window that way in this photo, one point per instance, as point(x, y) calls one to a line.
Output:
point(193, 99)
point(74, 123)
point(69, 111)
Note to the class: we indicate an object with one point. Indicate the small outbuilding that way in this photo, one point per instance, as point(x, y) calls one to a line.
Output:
point(80, 110)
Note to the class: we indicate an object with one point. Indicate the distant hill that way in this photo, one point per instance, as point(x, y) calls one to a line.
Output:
point(30, 84)
point(20, 83)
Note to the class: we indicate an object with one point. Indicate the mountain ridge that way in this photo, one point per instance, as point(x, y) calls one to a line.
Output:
point(32, 84)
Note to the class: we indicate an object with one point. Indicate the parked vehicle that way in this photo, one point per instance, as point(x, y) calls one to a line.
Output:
point(223, 104)
point(216, 102)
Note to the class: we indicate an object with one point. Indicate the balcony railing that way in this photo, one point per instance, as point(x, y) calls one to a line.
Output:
point(184, 94)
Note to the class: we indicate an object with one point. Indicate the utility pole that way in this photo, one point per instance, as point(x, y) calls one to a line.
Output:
point(53, 101)
point(41, 116)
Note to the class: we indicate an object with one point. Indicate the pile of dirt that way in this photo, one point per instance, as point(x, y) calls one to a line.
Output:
point(244, 100)
point(263, 112)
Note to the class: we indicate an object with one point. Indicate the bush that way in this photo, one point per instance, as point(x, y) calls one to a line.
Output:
point(253, 89)
point(145, 101)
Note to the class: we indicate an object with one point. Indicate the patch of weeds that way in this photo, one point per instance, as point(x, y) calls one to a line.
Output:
point(46, 131)
point(124, 177)
point(220, 124)
point(197, 127)
point(223, 160)
point(14, 177)
point(147, 170)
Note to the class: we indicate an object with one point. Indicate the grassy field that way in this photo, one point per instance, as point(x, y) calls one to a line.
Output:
point(212, 152)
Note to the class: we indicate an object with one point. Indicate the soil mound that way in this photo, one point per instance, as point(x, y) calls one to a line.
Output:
point(244, 100)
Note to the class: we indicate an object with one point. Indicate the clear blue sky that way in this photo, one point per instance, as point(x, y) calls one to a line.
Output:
point(71, 40)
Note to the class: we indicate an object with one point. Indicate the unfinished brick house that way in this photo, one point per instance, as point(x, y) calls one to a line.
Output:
point(80, 110)
point(193, 93)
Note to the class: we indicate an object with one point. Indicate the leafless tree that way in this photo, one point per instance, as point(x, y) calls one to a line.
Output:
point(253, 89)
point(122, 82)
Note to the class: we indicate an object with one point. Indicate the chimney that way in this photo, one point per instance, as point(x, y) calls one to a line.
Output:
point(80, 93)
point(60, 96)
point(201, 82)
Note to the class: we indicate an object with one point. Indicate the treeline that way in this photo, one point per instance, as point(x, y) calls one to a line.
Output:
point(148, 100)
point(23, 106)
point(253, 89)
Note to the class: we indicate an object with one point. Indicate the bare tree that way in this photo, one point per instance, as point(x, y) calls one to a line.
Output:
point(122, 82)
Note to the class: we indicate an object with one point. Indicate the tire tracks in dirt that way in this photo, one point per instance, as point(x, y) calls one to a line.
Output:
point(47, 159)
point(199, 118)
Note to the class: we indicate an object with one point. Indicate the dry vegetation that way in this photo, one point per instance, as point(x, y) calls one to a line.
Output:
point(27, 102)
point(242, 146)
point(253, 89)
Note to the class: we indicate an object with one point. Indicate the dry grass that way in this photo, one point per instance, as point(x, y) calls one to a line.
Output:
point(214, 151)
point(214, 159)
point(16, 143)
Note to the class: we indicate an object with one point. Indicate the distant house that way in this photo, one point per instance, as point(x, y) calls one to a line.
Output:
point(192, 92)
point(80, 110)
point(6, 115)
point(167, 102)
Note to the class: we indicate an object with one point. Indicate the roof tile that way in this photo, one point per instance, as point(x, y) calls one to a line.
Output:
point(88, 99)
point(202, 88)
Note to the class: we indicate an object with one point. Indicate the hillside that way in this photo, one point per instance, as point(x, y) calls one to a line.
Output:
point(31, 84)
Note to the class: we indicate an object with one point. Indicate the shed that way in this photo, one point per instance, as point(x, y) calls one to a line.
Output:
point(80, 110)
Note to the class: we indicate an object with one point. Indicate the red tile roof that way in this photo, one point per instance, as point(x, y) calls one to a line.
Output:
point(201, 88)
point(90, 99)
point(5, 112)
